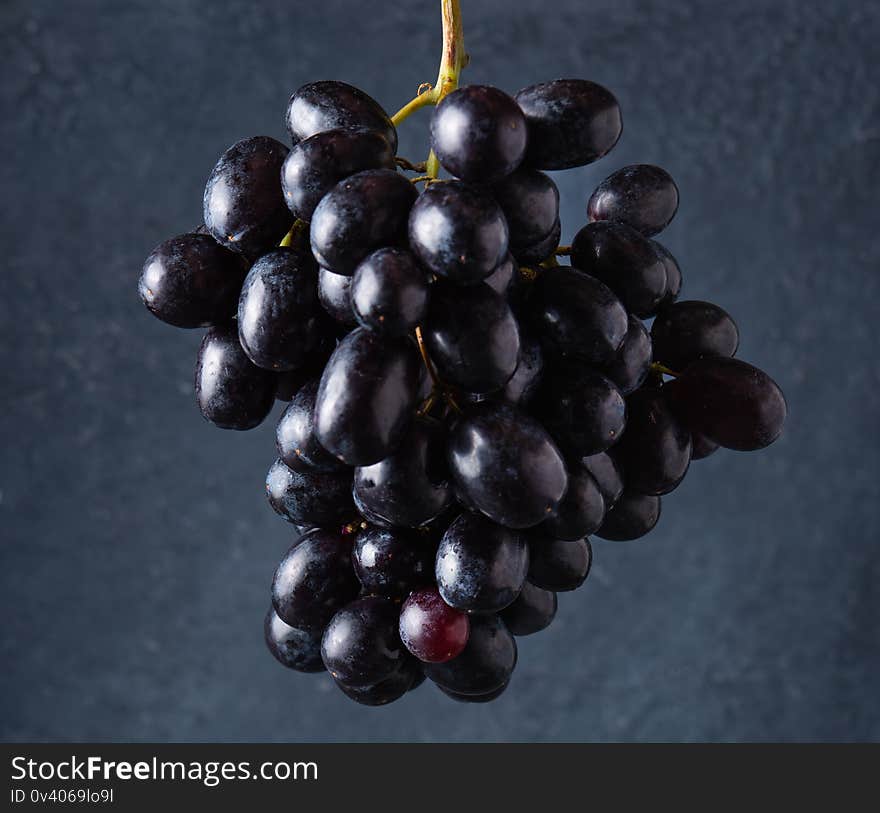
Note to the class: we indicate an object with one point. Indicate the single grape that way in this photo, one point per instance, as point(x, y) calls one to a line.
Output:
point(386, 691)
point(478, 133)
point(506, 465)
point(642, 196)
point(481, 566)
point(314, 580)
point(656, 448)
point(543, 249)
point(582, 508)
point(458, 231)
point(280, 320)
point(582, 410)
point(571, 122)
point(291, 647)
point(391, 563)
point(730, 402)
point(631, 517)
point(625, 261)
point(243, 202)
point(472, 337)
point(410, 488)
point(630, 365)
point(389, 292)
point(526, 379)
point(295, 434)
point(303, 496)
point(316, 164)
point(231, 391)
point(608, 476)
point(558, 564)
point(673, 275)
point(361, 645)
point(576, 315)
point(484, 665)
point(191, 281)
point(367, 397)
point(530, 202)
point(430, 629)
point(702, 447)
point(334, 293)
point(533, 611)
point(689, 330)
point(360, 214)
point(331, 105)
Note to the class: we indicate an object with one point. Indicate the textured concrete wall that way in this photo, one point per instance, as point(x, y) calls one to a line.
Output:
point(136, 544)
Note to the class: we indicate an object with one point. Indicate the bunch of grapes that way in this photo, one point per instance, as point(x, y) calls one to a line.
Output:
point(464, 412)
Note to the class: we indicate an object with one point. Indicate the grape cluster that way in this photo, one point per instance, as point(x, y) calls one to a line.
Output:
point(464, 412)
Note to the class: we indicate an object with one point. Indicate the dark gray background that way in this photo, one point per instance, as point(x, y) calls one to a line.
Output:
point(136, 544)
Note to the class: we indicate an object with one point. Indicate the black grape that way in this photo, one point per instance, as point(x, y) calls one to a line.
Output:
point(389, 292)
point(688, 330)
point(458, 231)
point(630, 365)
point(392, 688)
point(607, 474)
point(314, 580)
point(361, 645)
point(307, 497)
point(316, 164)
point(673, 275)
point(571, 122)
point(295, 434)
point(526, 379)
point(583, 411)
point(392, 563)
point(557, 564)
point(532, 611)
point(485, 664)
point(331, 105)
point(582, 508)
point(334, 293)
point(430, 629)
point(360, 214)
point(530, 202)
point(478, 133)
point(631, 517)
point(540, 251)
point(231, 391)
point(280, 320)
point(656, 448)
point(730, 402)
point(576, 315)
point(506, 465)
point(702, 447)
point(642, 196)
point(367, 397)
point(293, 648)
point(409, 488)
point(481, 566)
point(472, 337)
point(243, 203)
point(191, 281)
point(625, 261)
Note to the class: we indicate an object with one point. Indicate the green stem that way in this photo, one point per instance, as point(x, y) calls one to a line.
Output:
point(452, 63)
point(662, 368)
